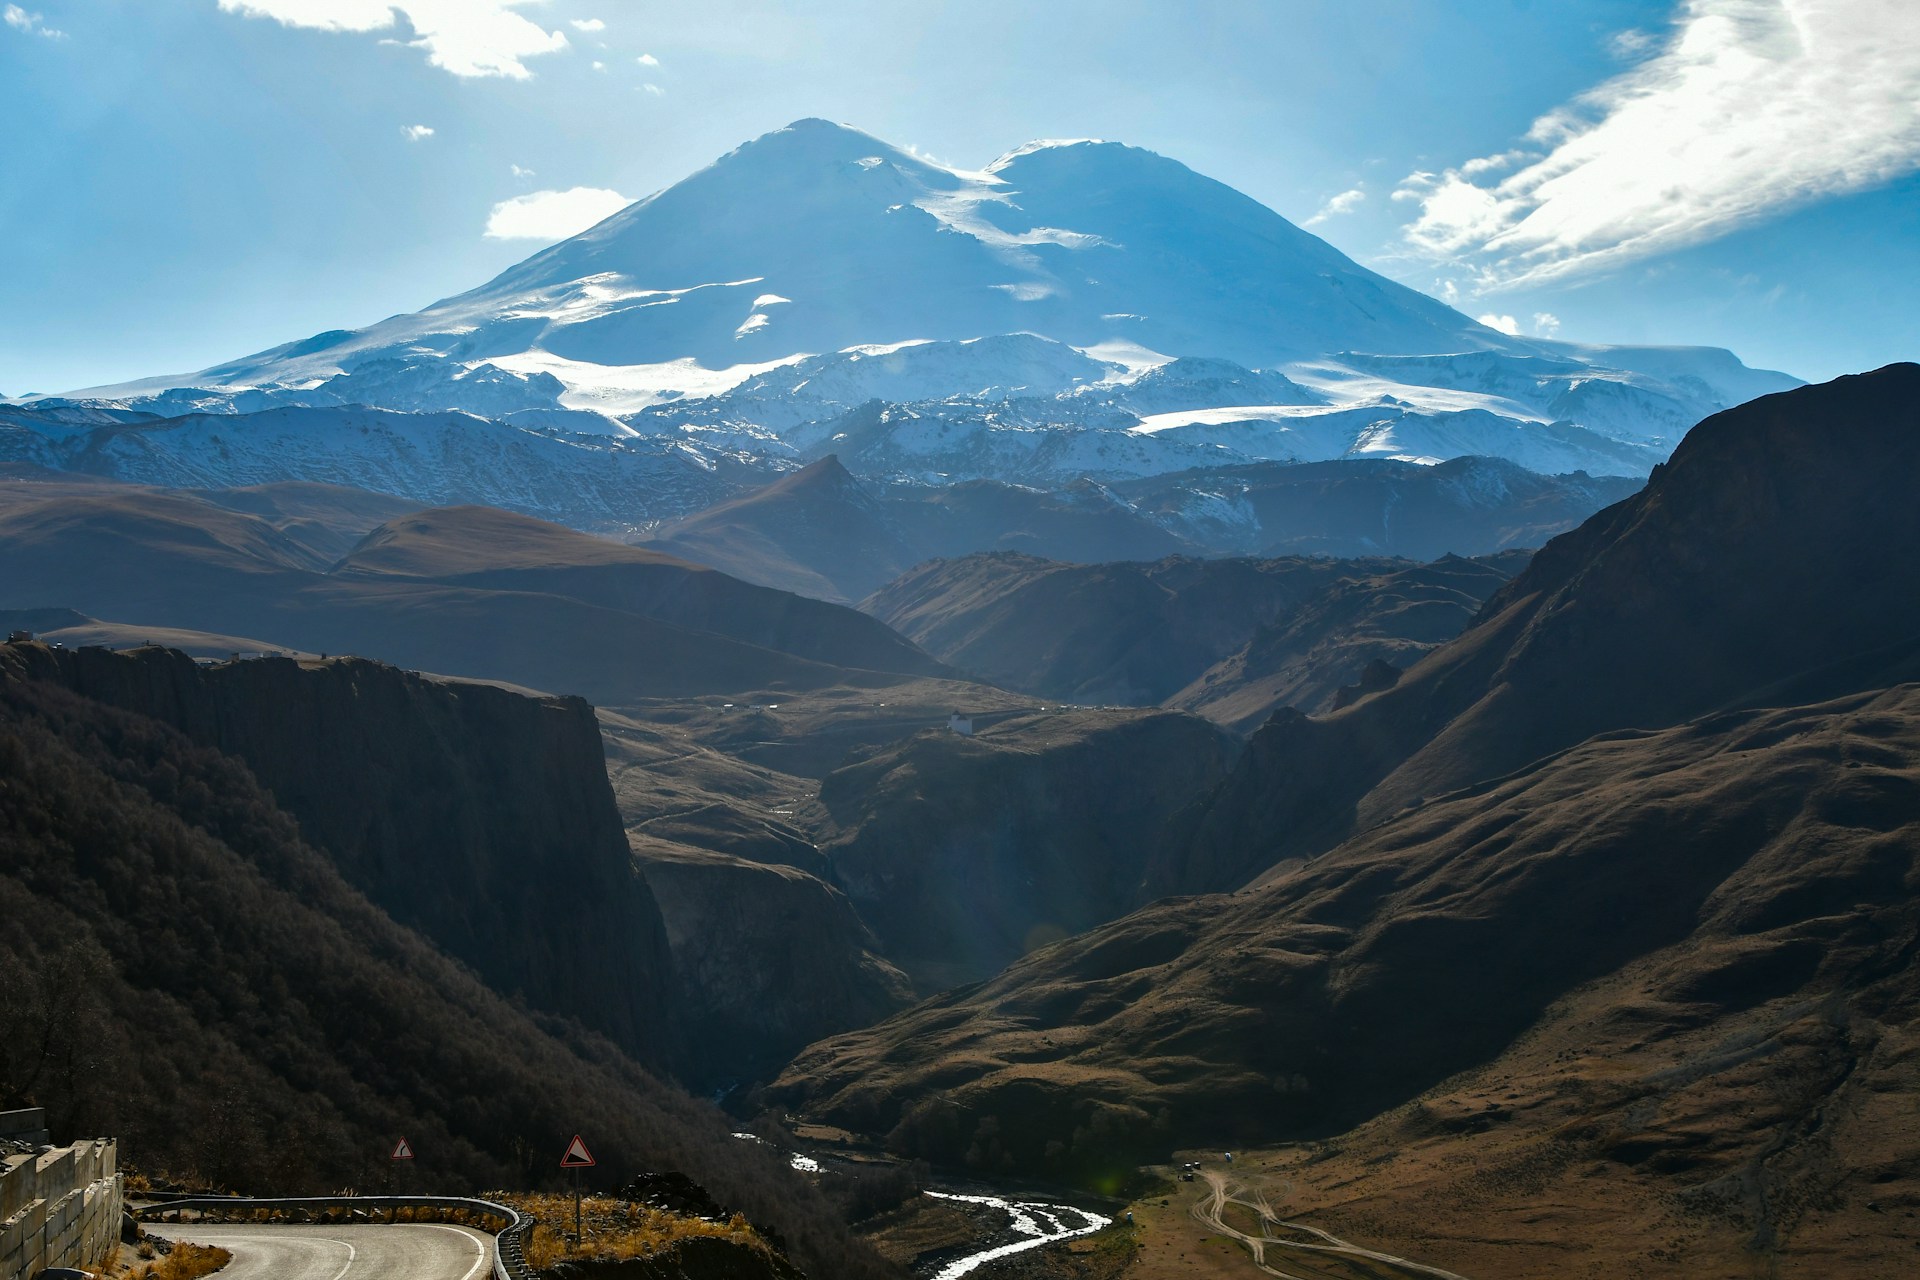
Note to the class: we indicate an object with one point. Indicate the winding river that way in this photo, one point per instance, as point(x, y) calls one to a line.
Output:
point(1037, 1224)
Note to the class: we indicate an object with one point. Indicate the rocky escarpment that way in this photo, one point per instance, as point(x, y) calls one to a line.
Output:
point(480, 817)
point(964, 853)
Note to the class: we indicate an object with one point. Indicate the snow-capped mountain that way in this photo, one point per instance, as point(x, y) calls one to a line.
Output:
point(1074, 308)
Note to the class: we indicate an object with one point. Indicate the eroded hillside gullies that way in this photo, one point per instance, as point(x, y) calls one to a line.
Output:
point(478, 817)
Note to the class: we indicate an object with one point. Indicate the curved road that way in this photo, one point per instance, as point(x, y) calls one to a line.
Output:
point(317, 1251)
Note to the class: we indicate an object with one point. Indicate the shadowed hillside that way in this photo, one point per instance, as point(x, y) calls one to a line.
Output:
point(479, 818)
point(202, 982)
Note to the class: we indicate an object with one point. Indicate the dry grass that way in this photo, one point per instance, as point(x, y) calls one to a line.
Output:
point(186, 1262)
point(614, 1229)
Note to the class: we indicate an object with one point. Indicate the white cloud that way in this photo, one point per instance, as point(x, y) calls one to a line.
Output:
point(417, 132)
point(33, 24)
point(553, 215)
point(588, 24)
point(1749, 108)
point(1545, 323)
point(1505, 324)
point(1631, 43)
point(518, 172)
point(599, 66)
point(647, 60)
point(466, 37)
point(653, 89)
point(1345, 202)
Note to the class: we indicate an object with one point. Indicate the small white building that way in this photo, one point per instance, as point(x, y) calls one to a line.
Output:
point(962, 725)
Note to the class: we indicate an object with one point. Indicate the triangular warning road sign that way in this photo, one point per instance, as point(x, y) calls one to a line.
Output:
point(577, 1155)
point(401, 1151)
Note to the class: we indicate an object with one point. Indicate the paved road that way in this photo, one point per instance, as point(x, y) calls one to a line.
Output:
point(405, 1251)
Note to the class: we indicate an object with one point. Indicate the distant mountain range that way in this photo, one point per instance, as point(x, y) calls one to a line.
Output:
point(1077, 310)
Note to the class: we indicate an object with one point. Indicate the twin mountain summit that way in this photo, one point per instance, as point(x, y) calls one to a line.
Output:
point(1471, 776)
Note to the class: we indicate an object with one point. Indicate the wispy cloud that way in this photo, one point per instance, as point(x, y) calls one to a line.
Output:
point(1345, 202)
point(470, 38)
point(518, 172)
point(33, 24)
point(1748, 108)
point(417, 132)
point(653, 89)
point(588, 24)
point(553, 215)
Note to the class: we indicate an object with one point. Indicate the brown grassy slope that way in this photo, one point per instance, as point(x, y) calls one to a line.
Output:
point(326, 519)
point(1129, 633)
point(481, 547)
point(1775, 543)
point(168, 560)
point(1775, 851)
point(201, 983)
point(1308, 658)
point(816, 531)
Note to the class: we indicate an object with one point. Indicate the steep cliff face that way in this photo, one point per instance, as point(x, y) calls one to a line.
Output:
point(965, 853)
point(768, 959)
point(479, 817)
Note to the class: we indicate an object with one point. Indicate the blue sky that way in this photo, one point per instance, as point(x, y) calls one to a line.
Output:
point(185, 181)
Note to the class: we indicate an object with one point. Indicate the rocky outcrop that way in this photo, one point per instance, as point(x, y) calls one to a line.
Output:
point(480, 817)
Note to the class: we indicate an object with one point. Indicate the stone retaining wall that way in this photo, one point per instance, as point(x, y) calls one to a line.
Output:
point(61, 1209)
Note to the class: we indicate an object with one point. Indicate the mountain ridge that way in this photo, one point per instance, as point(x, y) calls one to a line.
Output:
point(1010, 313)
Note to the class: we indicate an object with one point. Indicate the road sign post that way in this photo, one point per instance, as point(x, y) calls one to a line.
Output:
point(576, 1158)
point(401, 1152)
